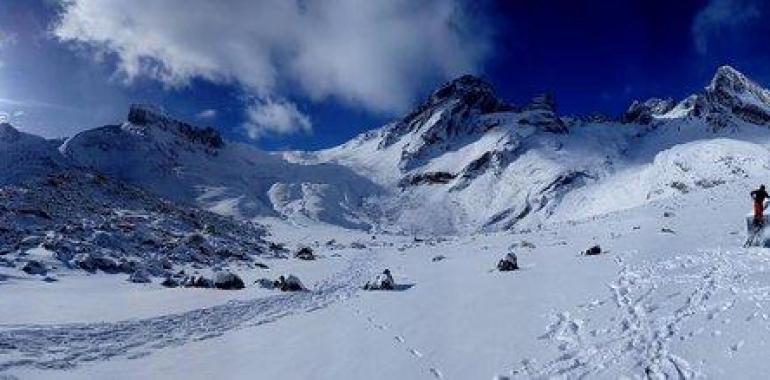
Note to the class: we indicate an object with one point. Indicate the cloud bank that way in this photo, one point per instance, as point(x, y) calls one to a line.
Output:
point(377, 55)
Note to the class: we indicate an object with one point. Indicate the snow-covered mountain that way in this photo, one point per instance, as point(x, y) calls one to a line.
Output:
point(464, 160)
point(196, 166)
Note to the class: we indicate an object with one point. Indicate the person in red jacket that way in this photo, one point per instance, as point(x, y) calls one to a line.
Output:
point(759, 197)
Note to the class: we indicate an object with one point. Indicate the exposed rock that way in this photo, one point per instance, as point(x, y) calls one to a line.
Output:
point(430, 178)
point(438, 258)
point(290, 283)
point(228, 281)
point(383, 281)
point(508, 263)
point(644, 112)
point(595, 250)
point(541, 112)
point(198, 282)
point(170, 282)
point(265, 283)
point(140, 276)
point(305, 253)
point(92, 263)
point(34, 267)
point(148, 115)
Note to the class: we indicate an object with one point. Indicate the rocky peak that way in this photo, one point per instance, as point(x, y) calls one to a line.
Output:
point(542, 102)
point(145, 115)
point(731, 92)
point(470, 90)
point(541, 112)
point(729, 86)
point(643, 112)
point(449, 111)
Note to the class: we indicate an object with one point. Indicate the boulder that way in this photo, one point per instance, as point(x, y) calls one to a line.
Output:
point(438, 258)
point(305, 253)
point(92, 263)
point(170, 282)
point(508, 263)
point(228, 281)
point(265, 283)
point(34, 267)
point(593, 251)
point(198, 282)
point(383, 281)
point(140, 276)
point(290, 283)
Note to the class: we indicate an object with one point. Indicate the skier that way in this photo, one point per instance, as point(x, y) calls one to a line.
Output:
point(759, 197)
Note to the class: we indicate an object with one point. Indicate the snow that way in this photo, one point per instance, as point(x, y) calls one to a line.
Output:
point(673, 293)
point(660, 294)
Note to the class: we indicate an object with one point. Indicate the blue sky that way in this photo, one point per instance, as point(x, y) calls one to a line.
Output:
point(286, 74)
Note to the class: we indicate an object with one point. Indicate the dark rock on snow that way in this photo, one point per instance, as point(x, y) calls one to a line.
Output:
point(305, 253)
point(140, 276)
point(595, 250)
point(170, 282)
point(508, 263)
point(383, 281)
point(290, 283)
point(34, 267)
point(228, 281)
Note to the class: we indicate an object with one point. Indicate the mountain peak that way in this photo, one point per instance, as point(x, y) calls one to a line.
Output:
point(732, 91)
point(470, 90)
point(644, 112)
point(727, 77)
point(143, 114)
point(146, 115)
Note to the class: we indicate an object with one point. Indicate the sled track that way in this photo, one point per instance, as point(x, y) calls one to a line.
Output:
point(67, 346)
point(650, 306)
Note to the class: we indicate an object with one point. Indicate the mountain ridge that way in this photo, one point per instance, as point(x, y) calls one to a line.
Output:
point(463, 160)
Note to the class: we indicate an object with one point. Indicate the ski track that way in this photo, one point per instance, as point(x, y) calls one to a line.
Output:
point(69, 345)
point(637, 339)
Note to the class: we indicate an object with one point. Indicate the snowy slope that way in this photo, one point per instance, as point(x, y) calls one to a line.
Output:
point(192, 165)
point(687, 303)
point(465, 161)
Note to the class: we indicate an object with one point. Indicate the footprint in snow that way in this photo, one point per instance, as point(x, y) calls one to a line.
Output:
point(415, 353)
point(399, 338)
point(436, 373)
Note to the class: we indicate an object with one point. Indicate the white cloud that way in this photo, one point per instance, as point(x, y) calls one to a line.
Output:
point(720, 17)
point(207, 114)
point(373, 54)
point(275, 117)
